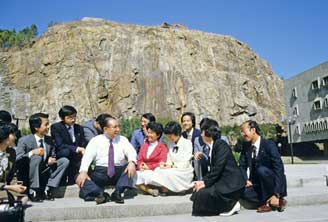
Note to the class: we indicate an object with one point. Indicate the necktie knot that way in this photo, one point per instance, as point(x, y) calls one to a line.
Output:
point(41, 142)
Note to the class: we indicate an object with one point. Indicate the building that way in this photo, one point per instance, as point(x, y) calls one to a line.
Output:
point(306, 98)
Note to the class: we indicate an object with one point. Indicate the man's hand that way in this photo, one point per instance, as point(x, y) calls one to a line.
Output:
point(16, 188)
point(52, 161)
point(198, 155)
point(81, 150)
point(199, 185)
point(81, 178)
point(130, 169)
point(38, 151)
point(248, 183)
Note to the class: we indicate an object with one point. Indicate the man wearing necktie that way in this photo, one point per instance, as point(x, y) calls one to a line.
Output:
point(263, 169)
point(45, 169)
point(115, 160)
point(69, 140)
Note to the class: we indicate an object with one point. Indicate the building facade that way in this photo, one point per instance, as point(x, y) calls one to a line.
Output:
point(306, 98)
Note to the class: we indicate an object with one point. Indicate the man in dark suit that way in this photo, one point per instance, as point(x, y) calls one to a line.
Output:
point(45, 169)
point(263, 169)
point(69, 140)
point(221, 188)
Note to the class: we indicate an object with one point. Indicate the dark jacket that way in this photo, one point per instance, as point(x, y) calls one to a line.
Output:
point(225, 174)
point(268, 156)
point(63, 141)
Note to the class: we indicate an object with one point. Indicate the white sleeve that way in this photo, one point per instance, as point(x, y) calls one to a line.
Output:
point(129, 151)
point(89, 155)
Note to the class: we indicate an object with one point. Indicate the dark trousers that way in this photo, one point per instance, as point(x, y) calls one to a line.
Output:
point(73, 168)
point(263, 187)
point(99, 180)
point(200, 168)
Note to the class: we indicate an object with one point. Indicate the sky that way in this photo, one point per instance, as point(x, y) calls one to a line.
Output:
point(292, 35)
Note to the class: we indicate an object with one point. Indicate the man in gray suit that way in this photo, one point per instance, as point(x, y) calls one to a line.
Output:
point(45, 171)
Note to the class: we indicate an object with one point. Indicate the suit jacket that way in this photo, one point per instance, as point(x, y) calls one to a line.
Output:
point(224, 175)
point(63, 141)
point(158, 155)
point(29, 143)
point(268, 156)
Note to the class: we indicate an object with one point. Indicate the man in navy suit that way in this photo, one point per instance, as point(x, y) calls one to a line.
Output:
point(45, 169)
point(263, 169)
point(69, 140)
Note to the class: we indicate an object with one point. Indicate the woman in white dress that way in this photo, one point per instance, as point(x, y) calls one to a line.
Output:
point(176, 174)
point(152, 153)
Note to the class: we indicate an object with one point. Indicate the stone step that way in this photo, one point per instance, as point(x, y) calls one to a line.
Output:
point(73, 191)
point(73, 208)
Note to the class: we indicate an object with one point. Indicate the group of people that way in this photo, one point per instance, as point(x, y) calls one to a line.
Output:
point(186, 160)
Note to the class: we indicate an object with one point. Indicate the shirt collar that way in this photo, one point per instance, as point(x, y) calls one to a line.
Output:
point(191, 132)
point(38, 138)
point(257, 143)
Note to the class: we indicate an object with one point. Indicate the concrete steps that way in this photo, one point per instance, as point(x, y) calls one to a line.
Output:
point(73, 208)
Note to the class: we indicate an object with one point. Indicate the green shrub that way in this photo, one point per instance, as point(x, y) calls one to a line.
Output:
point(25, 131)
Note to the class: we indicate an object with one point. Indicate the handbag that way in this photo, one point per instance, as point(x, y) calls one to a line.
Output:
point(11, 210)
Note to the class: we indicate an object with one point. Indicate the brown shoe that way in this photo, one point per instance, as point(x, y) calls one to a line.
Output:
point(264, 208)
point(282, 205)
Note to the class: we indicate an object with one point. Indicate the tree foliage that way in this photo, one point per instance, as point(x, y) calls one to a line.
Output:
point(11, 38)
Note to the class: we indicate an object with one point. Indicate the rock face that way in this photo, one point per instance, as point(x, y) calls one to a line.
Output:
point(101, 66)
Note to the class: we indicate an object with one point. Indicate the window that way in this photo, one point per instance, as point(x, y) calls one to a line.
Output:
point(295, 111)
point(294, 93)
point(315, 85)
point(317, 104)
point(298, 130)
point(325, 81)
point(326, 102)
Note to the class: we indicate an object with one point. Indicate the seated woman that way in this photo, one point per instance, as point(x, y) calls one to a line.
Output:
point(176, 174)
point(221, 188)
point(7, 160)
point(152, 152)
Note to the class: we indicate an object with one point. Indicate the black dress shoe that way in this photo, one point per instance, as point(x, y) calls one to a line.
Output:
point(130, 193)
point(103, 198)
point(35, 198)
point(282, 205)
point(48, 195)
point(117, 197)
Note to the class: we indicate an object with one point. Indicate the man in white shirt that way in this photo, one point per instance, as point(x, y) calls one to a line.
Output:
point(115, 160)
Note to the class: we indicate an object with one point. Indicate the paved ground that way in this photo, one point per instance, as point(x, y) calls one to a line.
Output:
point(306, 187)
point(318, 213)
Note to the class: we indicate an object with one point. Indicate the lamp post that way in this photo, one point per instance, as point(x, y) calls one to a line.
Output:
point(291, 121)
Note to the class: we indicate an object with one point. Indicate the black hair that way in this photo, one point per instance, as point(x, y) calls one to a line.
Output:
point(149, 116)
point(103, 122)
point(102, 116)
point(35, 121)
point(4, 132)
point(173, 128)
point(211, 128)
point(5, 116)
point(156, 127)
point(253, 124)
point(66, 111)
point(192, 116)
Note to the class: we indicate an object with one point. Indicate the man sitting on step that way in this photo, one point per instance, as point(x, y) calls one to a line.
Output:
point(263, 169)
point(115, 164)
